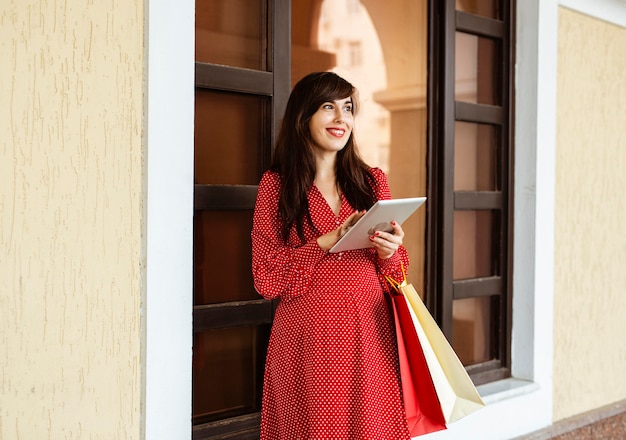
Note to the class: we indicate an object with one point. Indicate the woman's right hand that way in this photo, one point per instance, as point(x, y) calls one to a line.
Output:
point(329, 239)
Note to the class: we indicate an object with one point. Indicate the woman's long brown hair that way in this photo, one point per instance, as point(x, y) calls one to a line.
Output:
point(294, 158)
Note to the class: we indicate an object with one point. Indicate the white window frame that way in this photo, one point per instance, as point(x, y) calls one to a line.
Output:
point(168, 218)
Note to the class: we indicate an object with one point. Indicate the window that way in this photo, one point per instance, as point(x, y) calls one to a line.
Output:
point(356, 56)
point(470, 223)
point(354, 6)
point(242, 80)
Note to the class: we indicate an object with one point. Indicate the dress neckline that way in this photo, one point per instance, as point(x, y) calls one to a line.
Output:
point(341, 197)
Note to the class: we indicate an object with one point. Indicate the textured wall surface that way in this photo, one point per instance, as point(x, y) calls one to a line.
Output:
point(71, 91)
point(590, 248)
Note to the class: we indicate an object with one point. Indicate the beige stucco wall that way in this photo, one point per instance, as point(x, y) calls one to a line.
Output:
point(71, 93)
point(590, 248)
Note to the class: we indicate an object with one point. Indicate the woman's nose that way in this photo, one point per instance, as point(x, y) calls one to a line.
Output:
point(338, 115)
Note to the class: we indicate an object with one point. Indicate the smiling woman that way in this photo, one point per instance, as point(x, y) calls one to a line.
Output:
point(332, 368)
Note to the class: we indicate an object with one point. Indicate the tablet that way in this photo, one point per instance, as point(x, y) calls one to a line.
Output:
point(377, 218)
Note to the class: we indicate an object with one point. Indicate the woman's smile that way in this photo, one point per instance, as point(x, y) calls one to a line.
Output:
point(338, 132)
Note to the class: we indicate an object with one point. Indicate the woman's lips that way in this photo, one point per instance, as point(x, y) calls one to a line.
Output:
point(337, 132)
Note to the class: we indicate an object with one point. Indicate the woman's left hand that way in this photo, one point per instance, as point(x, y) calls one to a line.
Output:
point(387, 243)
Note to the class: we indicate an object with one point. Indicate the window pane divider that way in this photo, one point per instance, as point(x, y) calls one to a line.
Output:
point(477, 200)
point(234, 79)
point(232, 314)
point(477, 25)
point(244, 427)
point(224, 197)
point(477, 287)
point(479, 113)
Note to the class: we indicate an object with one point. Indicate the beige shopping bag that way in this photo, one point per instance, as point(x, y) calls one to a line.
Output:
point(456, 392)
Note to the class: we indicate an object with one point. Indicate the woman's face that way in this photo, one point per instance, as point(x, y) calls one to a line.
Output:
point(331, 125)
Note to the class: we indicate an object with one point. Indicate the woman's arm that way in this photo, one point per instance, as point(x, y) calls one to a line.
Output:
point(278, 270)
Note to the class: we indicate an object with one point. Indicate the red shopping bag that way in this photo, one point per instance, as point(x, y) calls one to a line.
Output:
point(423, 410)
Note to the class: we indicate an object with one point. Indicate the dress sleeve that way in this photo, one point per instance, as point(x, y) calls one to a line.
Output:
point(399, 261)
point(278, 269)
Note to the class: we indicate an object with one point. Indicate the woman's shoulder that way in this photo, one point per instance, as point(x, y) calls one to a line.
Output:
point(270, 182)
point(377, 173)
point(270, 178)
point(380, 177)
point(381, 184)
point(269, 187)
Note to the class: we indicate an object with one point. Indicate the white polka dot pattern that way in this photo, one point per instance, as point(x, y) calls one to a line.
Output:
point(332, 369)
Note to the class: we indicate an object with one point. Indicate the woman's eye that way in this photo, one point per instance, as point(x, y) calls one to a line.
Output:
point(327, 106)
point(348, 108)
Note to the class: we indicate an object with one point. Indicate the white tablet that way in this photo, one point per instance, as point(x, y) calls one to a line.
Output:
point(377, 218)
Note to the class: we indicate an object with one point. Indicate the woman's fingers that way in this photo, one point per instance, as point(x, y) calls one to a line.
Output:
point(350, 221)
point(353, 218)
point(387, 243)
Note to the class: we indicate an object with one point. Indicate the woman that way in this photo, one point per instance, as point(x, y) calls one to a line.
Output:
point(332, 370)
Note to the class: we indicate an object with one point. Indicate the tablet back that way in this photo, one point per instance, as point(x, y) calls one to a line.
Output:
point(377, 218)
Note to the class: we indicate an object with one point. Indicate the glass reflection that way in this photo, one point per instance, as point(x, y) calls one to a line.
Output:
point(471, 329)
point(228, 134)
point(475, 160)
point(222, 273)
point(382, 48)
point(476, 73)
point(346, 31)
point(226, 372)
point(231, 32)
point(485, 8)
point(473, 246)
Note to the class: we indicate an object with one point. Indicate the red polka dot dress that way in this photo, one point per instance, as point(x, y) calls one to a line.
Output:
point(332, 370)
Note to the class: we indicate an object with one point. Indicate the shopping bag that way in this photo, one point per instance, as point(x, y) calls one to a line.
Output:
point(457, 394)
point(422, 407)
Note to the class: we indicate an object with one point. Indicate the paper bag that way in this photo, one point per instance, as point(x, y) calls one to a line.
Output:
point(422, 407)
point(456, 392)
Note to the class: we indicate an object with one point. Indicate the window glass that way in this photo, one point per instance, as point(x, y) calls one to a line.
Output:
point(348, 35)
point(231, 32)
point(229, 130)
point(222, 272)
point(485, 8)
point(473, 244)
point(226, 370)
point(381, 48)
point(471, 329)
point(477, 74)
point(475, 157)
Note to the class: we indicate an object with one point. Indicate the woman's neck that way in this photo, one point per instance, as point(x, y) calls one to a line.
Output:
point(325, 167)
